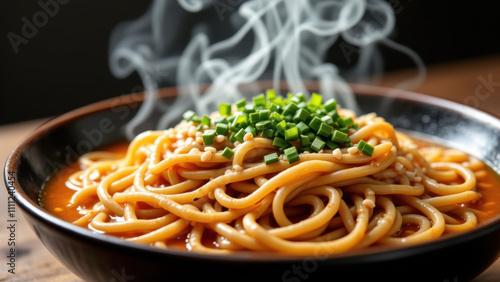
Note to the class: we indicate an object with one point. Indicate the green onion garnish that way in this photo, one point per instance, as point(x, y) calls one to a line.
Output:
point(208, 137)
point(324, 130)
point(206, 120)
point(365, 148)
point(225, 109)
point(315, 123)
point(291, 121)
point(227, 153)
point(292, 155)
point(261, 125)
point(221, 129)
point(240, 135)
point(317, 145)
point(271, 158)
point(280, 143)
point(339, 136)
point(241, 104)
point(292, 134)
point(188, 115)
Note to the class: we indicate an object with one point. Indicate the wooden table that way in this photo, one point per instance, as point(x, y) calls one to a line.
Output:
point(473, 82)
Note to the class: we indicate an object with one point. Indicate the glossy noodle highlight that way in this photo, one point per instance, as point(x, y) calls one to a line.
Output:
point(288, 175)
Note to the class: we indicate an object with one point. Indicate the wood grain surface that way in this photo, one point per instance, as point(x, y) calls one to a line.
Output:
point(474, 82)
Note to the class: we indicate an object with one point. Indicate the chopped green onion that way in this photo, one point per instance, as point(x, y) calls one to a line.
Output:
point(301, 97)
point(276, 117)
point(281, 127)
point(292, 134)
point(281, 143)
point(251, 129)
point(301, 115)
point(271, 158)
point(188, 115)
point(304, 141)
point(240, 121)
point(227, 153)
point(330, 105)
point(303, 128)
point(292, 155)
point(264, 114)
point(317, 145)
point(248, 109)
point(331, 145)
point(346, 121)
point(196, 119)
point(254, 118)
point(206, 120)
point(324, 130)
point(220, 120)
point(274, 108)
point(221, 129)
point(268, 133)
point(315, 123)
point(334, 115)
point(311, 135)
point(208, 137)
point(344, 129)
point(365, 148)
point(315, 100)
point(224, 109)
point(239, 136)
point(339, 136)
point(261, 125)
point(259, 101)
point(271, 94)
point(241, 104)
point(232, 137)
point(327, 119)
point(290, 109)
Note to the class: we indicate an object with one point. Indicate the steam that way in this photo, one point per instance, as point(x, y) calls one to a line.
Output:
point(283, 41)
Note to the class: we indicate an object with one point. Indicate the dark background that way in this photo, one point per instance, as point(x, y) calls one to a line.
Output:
point(64, 65)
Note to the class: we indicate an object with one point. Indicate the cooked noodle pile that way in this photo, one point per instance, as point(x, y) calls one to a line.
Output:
point(170, 185)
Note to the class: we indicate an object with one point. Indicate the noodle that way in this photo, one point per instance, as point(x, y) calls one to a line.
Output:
point(170, 185)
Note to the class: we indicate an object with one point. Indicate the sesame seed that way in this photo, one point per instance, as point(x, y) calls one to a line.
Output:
point(398, 166)
point(220, 138)
point(210, 149)
point(337, 154)
point(205, 157)
point(248, 137)
point(192, 131)
point(194, 151)
point(353, 150)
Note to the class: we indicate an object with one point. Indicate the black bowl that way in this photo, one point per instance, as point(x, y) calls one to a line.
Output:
point(96, 257)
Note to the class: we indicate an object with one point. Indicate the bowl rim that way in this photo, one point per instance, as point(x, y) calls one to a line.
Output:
point(378, 253)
